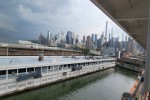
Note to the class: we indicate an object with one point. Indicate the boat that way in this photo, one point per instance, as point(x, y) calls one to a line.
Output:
point(29, 72)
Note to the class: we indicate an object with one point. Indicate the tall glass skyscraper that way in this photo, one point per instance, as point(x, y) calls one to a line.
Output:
point(69, 38)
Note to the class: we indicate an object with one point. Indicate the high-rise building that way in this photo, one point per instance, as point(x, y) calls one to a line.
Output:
point(112, 38)
point(112, 33)
point(126, 38)
point(126, 43)
point(95, 40)
point(132, 46)
point(48, 38)
point(74, 36)
point(102, 39)
point(89, 42)
point(42, 39)
point(84, 39)
point(99, 43)
point(51, 41)
point(122, 42)
point(69, 38)
point(106, 31)
point(116, 44)
point(77, 39)
point(109, 37)
point(113, 42)
point(129, 45)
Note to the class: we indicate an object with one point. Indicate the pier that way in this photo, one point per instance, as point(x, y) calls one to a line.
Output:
point(33, 50)
point(96, 86)
point(53, 72)
point(133, 64)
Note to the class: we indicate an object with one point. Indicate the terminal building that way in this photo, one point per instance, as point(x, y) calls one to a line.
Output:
point(26, 48)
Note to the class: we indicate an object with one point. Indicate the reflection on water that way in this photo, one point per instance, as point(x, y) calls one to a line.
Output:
point(104, 85)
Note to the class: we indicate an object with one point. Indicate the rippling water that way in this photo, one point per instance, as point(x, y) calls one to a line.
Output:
point(104, 85)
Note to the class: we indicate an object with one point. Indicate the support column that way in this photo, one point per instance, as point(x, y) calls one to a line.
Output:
point(147, 64)
point(7, 80)
point(7, 50)
point(47, 74)
point(26, 73)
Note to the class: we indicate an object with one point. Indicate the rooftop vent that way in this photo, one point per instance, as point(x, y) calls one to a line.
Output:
point(41, 56)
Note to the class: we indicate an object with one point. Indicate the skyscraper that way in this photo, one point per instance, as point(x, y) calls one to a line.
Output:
point(102, 39)
point(89, 42)
point(42, 39)
point(112, 38)
point(126, 43)
point(106, 31)
point(112, 33)
point(48, 38)
point(77, 39)
point(99, 43)
point(116, 44)
point(122, 42)
point(74, 37)
point(109, 37)
point(92, 37)
point(69, 38)
point(84, 39)
point(95, 40)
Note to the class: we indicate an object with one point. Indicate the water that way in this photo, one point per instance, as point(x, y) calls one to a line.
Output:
point(104, 85)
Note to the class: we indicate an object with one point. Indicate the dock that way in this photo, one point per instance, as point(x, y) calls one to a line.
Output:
point(131, 64)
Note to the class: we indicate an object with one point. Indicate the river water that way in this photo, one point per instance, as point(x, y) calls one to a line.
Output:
point(104, 85)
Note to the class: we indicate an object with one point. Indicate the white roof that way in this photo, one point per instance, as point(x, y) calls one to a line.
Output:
point(14, 62)
point(33, 46)
point(24, 42)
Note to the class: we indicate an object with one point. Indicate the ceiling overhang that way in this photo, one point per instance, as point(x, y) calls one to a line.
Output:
point(130, 15)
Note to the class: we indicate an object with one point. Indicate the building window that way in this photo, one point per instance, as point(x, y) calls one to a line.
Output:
point(2, 74)
point(21, 71)
point(30, 70)
point(50, 68)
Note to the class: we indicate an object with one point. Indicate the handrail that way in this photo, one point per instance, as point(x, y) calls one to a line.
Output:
point(137, 87)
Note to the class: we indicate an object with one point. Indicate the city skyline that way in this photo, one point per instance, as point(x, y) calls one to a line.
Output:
point(98, 35)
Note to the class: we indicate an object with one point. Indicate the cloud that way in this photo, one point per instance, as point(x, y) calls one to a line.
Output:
point(25, 19)
point(6, 23)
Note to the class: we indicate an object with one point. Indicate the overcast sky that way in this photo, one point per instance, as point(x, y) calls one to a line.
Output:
point(26, 19)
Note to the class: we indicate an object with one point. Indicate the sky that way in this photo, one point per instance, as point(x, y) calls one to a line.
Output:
point(26, 19)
